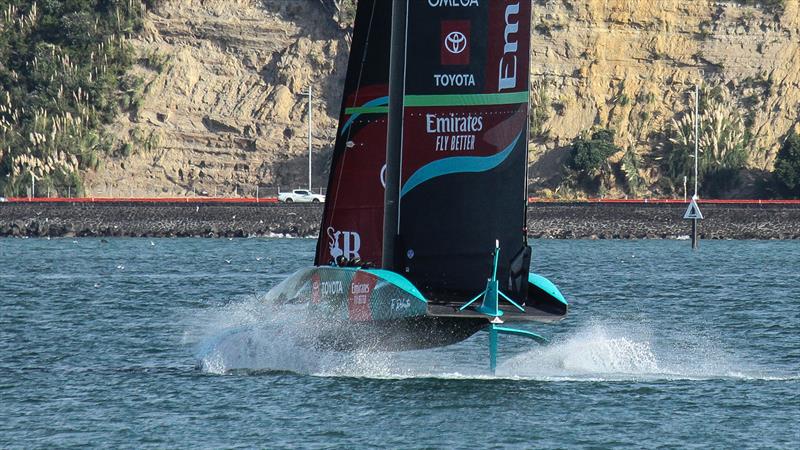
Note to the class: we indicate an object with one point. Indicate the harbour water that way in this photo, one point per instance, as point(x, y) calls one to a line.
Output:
point(117, 343)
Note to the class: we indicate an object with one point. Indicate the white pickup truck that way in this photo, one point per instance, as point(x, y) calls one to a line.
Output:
point(300, 196)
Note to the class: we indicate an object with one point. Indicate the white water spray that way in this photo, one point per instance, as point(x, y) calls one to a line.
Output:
point(259, 335)
point(256, 335)
point(630, 352)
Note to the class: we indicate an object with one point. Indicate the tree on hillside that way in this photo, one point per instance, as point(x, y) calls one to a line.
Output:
point(787, 166)
point(589, 158)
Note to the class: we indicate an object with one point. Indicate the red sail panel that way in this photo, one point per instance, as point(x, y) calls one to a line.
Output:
point(352, 224)
point(464, 152)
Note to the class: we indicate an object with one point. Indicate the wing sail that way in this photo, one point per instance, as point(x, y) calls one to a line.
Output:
point(352, 222)
point(464, 150)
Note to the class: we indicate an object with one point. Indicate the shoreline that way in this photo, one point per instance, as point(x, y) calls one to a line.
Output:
point(242, 218)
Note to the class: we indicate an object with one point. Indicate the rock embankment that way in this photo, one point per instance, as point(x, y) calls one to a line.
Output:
point(661, 221)
point(158, 220)
point(545, 220)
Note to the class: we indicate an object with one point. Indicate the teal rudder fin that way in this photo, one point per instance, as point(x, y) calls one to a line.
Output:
point(495, 330)
point(490, 307)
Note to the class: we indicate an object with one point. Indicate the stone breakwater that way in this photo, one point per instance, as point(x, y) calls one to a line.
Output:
point(662, 221)
point(545, 220)
point(158, 219)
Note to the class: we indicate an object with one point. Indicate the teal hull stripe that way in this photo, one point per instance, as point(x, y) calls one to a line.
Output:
point(398, 281)
point(547, 286)
point(377, 106)
point(457, 164)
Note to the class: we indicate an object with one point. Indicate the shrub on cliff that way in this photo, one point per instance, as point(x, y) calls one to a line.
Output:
point(629, 166)
point(787, 167)
point(589, 158)
point(775, 6)
point(539, 111)
point(344, 11)
point(724, 150)
point(63, 67)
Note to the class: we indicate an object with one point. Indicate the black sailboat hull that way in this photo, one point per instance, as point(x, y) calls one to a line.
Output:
point(415, 333)
point(353, 308)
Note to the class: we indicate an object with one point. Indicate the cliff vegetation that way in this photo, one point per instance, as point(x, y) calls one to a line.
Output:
point(64, 72)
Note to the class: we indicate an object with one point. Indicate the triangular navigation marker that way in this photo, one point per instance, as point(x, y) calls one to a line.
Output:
point(693, 211)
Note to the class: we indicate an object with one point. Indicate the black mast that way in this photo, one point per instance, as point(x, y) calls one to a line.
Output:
point(394, 143)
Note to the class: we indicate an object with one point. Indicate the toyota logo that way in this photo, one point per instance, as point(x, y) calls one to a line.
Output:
point(455, 42)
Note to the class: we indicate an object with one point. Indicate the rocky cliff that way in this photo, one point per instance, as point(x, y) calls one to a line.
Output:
point(223, 107)
point(629, 65)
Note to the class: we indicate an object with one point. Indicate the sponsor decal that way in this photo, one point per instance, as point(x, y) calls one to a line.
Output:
point(508, 62)
point(331, 288)
point(400, 304)
point(343, 243)
point(453, 123)
point(316, 288)
point(358, 302)
point(452, 3)
point(454, 80)
point(455, 48)
point(360, 288)
point(456, 42)
point(458, 143)
point(448, 127)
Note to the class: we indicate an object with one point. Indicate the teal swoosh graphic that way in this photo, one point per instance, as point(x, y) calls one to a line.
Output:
point(457, 164)
point(381, 101)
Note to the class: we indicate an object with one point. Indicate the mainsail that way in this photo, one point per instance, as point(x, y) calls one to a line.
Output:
point(463, 156)
point(352, 223)
point(464, 146)
point(428, 180)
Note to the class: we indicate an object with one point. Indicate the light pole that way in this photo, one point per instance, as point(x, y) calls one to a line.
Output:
point(310, 117)
point(693, 211)
point(685, 194)
point(696, 134)
point(695, 244)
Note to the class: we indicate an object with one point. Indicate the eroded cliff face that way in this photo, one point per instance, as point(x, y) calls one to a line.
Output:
point(223, 108)
point(629, 65)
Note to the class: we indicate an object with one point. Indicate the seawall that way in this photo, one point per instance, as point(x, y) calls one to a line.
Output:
point(204, 218)
point(151, 219)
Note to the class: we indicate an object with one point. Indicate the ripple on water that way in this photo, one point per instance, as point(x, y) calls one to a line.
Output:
point(180, 349)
